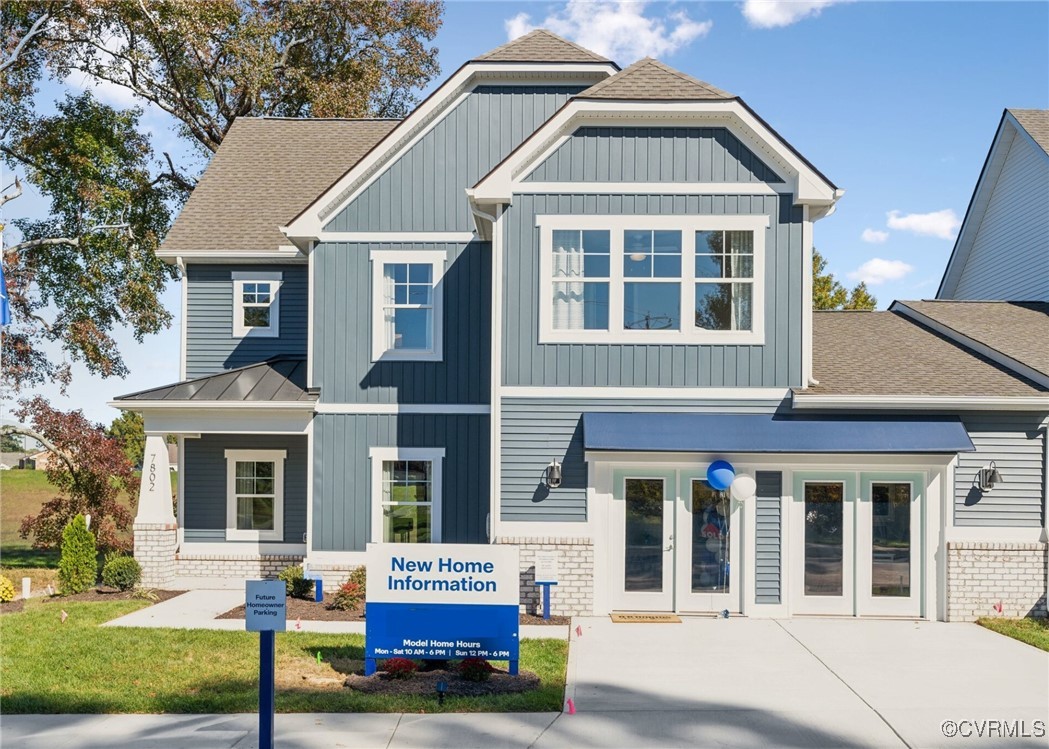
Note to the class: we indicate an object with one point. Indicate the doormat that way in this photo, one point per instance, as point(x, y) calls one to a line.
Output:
point(646, 618)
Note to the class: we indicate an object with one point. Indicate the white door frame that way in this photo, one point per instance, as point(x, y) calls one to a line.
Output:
point(662, 600)
point(867, 603)
point(844, 604)
point(684, 598)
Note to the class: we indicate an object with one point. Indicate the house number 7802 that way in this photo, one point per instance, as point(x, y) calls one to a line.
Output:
point(152, 471)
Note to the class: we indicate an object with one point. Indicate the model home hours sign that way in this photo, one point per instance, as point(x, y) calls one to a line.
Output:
point(442, 601)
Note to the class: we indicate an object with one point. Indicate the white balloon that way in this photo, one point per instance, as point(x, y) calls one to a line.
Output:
point(743, 487)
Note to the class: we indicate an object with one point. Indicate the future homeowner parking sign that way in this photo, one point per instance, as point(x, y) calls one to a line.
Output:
point(438, 601)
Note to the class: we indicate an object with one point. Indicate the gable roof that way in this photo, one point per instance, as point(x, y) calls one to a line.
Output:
point(1016, 330)
point(1036, 123)
point(266, 171)
point(651, 80)
point(888, 354)
point(540, 45)
point(281, 379)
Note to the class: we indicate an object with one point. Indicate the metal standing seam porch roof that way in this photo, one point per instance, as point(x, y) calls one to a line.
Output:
point(277, 380)
point(770, 433)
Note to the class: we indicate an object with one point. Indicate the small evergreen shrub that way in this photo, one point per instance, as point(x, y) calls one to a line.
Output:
point(122, 572)
point(347, 598)
point(7, 590)
point(400, 668)
point(77, 569)
point(296, 584)
point(475, 669)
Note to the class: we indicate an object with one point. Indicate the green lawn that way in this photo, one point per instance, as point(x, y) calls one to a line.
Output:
point(1032, 631)
point(79, 667)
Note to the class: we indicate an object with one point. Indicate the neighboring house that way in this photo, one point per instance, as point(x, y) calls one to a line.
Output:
point(534, 312)
point(1002, 250)
point(42, 459)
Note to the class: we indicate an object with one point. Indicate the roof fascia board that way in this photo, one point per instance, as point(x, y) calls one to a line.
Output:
point(282, 255)
point(922, 402)
point(979, 347)
point(424, 118)
point(192, 405)
point(981, 197)
point(808, 186)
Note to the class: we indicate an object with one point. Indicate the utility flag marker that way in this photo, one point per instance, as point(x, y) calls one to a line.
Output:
point(318, 656)
point(571, 707)
point(579, 630)
point(298, 624)
point(64, 616)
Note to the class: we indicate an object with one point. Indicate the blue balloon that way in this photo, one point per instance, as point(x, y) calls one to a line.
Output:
point(720, 475)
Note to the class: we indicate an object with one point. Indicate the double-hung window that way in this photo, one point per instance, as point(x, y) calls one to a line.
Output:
point(255, 495)
point(406, 488)
point(256, 306)
point(407, 303)
point(652, 279)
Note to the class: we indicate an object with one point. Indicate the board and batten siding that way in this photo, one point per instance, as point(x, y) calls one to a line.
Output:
point(423, 189)
point(1009, 258)
point(210, 344)
point(535, 431)
point(653, 154)
point(777, 363)
point(768, 537)
point(342, 493)
point(343, 312)
point(204, 474)
point(1016, 443)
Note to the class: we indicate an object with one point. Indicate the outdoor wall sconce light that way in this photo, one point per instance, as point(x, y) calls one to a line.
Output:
point(553, 474)
point(989, 477)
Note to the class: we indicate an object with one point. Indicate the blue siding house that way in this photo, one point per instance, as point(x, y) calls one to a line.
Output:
point(535, 312)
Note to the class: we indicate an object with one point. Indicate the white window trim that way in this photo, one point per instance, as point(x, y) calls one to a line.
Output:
point(434, 258)
point(239, 279)
point(277, 457)
point(617, 224)
point(436, 457)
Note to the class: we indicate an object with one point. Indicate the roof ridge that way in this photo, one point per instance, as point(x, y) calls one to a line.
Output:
point(524, 39)
point(625, 76)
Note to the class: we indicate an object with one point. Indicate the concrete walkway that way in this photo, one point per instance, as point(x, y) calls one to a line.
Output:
point(704, 682)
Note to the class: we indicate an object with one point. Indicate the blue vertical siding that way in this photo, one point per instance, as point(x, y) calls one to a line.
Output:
point(768, 537)
point(653, 154)
point(210, 345)
point(342, 492)
point(777, 363)
point(204, 474)
point(343, 309)
point(423, 189)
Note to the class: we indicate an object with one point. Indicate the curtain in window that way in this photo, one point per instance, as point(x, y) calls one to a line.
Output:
point(569, 307)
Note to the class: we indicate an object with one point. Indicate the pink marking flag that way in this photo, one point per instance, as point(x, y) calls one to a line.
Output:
point(571, 707)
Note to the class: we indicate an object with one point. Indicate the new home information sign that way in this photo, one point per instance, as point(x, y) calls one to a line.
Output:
point(442, 601)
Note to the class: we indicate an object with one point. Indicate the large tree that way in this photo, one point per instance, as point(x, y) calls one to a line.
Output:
point(829, 294)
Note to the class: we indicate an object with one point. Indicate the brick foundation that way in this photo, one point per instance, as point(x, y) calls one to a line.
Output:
point(155, 545)
point(980, 574)
point(246, 567)
point(574, 593)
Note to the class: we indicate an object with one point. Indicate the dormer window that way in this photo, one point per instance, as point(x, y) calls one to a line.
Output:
point(256, 306)
point(652, 279)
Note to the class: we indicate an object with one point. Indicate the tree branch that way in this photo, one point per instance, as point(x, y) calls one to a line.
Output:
point(11, 196)
point(48, 444)
point(34, 30)
point(30, 244)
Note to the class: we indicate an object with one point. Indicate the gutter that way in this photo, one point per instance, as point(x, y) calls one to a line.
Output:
point(152, 405)
point(921, 402)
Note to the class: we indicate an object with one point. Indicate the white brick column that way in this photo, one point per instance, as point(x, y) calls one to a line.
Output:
point(983, 574)
point(156, 531)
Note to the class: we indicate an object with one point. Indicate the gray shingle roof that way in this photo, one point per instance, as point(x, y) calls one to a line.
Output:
point(540, 46)
point(885, 353)
point(653, 80)
point(265, 172)
point(281, 379)
point(1019, 330)
point(1036, 123)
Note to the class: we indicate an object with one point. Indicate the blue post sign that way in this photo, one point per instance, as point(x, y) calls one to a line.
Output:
point(266, 612)
point(442, 601)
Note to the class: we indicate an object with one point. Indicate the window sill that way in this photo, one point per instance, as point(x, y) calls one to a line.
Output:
point(256, 333)
point(390, 356)
point(233, 534)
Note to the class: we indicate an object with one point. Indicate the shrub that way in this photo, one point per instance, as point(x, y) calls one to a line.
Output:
point(475, 669)
point(400, 668)
point(122, 572)
point(7, 590)
point(145, 594)
point(347, 598)
point(296, 584)
point(359, 575)
point(76, 567)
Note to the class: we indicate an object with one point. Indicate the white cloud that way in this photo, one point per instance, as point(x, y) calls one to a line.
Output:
point(873, 236)
point(617, 29)
point(876, 271)
point(770, 14)
point(941, 224)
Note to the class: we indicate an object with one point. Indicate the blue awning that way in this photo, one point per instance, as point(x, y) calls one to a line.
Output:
point(771, 433)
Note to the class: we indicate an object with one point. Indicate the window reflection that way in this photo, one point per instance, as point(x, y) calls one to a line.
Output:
point(891, 540)
point(710, 539)
point(824, 566)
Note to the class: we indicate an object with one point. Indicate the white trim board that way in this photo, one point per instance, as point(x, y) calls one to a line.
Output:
point(769, 395)
point(415, 237)
point(232, 257)
point(404, 408)
point(191, 405)
point(649, 188)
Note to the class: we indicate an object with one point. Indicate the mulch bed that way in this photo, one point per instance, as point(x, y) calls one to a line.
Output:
point(314, 611)
point(425, 682)
point(96, 595)
point(12, 607)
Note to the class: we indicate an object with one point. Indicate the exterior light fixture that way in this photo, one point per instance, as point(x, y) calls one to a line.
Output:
point(553, 474)
point(989, 477)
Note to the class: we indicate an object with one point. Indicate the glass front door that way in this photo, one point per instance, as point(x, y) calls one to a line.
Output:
point(824, 545)
point(889, 546)
point(643, 533)
point(707, 548)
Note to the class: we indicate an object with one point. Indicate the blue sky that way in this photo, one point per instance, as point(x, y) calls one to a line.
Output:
point(895, 102)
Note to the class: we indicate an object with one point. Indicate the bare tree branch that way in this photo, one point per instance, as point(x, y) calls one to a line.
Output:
point(30, 244)
point(11, 196)
point(48, 444)
point(34, 30)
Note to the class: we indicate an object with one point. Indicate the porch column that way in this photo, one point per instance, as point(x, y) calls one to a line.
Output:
point(156, 530)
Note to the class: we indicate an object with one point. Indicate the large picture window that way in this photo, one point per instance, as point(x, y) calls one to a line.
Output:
point(406, 488)
point(256, 308)
point(255, 495)
point(406, 309)
point(652, 279)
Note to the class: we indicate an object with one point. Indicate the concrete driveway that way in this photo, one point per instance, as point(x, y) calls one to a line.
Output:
point(801, 683)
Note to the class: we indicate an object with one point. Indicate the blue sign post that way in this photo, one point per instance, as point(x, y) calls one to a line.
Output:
point(442, 602)
point(266, 612)
point(545, 576)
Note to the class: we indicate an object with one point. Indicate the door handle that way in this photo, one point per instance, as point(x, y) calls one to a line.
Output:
point(669, 548)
